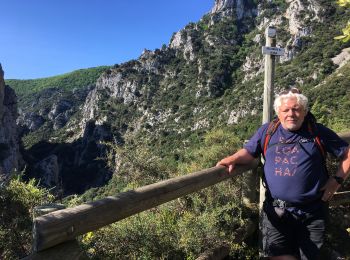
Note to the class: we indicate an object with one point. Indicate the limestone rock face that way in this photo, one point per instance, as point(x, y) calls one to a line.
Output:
point(60, 113)
point(30, 120)
point(342, 58)
point(221, 5)
point(185, 42)
point(9, 148)
point(296, 21)
point(228, 7)
point(51, 106)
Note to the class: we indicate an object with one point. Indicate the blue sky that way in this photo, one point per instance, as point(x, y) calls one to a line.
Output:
point(42, 38)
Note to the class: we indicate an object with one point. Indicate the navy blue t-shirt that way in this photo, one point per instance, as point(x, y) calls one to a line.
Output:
point(294, 168)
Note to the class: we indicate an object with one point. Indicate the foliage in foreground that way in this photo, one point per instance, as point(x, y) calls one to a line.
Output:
point(17, 201)
point(172, 231)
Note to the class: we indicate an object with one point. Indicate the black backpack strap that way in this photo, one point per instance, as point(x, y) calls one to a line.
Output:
point(312, 128)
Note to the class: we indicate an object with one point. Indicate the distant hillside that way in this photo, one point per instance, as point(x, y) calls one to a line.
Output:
point(76, 79)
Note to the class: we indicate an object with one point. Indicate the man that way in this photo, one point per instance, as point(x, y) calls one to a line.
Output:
point(297, 183)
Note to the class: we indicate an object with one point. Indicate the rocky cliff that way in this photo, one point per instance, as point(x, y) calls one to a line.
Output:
point(9, 141)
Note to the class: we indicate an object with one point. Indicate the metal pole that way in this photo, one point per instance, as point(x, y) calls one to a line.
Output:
point(267, 105)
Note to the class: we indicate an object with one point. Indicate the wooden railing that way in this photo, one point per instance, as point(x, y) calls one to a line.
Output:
point(55, 228)
point(62, 225)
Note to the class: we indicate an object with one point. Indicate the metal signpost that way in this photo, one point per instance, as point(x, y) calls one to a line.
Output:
point(270, 51)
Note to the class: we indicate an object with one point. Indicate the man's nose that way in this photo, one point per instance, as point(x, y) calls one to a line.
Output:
point(290, 112)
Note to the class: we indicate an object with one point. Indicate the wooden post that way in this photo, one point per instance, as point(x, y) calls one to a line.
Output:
point(270, 34)
point(249, 186)
point(69, 250)
point(269, 75)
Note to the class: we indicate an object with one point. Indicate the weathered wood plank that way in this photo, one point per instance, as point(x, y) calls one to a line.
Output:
point(59, 226)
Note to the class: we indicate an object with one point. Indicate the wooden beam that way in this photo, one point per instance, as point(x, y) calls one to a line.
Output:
point(63, 225)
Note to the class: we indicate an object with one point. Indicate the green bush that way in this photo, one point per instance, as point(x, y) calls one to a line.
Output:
point(17, 201)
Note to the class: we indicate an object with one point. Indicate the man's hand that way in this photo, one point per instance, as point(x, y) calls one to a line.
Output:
point(240, 157)
point(332, 185)
point(229, 163)
point(329, 189)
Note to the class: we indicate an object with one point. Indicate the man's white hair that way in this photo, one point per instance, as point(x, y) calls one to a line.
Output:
point(301, 100)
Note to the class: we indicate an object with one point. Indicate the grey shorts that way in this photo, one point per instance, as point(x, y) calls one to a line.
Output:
point(289, 234)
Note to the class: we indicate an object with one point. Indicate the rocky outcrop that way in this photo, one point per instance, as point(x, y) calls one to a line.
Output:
point(9, 143)
point(342, 58)
point(239, 7)
point(252, 67)
point(184, 41)
point(60, 113)
point(31, 121)
point(52, 106)
point(297, 14)
point(239, 113)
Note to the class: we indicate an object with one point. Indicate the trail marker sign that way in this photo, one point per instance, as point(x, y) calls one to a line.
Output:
point(273, 51)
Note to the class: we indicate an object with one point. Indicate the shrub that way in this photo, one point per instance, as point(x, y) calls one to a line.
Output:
point(17, 201)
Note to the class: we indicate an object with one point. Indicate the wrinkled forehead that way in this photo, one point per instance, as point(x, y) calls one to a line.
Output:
point(291, 102)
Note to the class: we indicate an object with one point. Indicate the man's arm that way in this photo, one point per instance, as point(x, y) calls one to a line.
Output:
point(343, 171)
point(240, 157)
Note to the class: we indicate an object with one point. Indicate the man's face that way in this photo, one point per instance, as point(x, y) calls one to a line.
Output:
point(291, 114)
